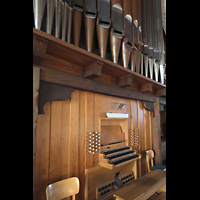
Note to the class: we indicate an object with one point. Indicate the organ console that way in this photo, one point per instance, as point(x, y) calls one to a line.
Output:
point(101, 181)
point(115, 149)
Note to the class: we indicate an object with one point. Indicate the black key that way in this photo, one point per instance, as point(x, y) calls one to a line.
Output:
point(115, 150)
point(119, 154)
point(120, 160)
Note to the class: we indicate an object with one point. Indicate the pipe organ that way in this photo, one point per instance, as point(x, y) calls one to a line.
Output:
point(101, 141)
point(128, 33)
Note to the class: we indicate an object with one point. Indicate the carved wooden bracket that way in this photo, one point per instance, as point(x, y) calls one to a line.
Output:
point(149, 106)
point(160, 92)
point(39, 49)
point(93, 70)
point(125, 80)
point(52, 91)
point(146, 87)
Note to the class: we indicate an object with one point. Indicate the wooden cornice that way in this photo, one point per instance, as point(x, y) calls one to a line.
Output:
point(67, 64)
point(68, 79)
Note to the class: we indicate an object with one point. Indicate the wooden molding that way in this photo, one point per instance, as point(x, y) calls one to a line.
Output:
point(52, 92)
point(125, 80)
point(39, 49)
point(81, 83)
point(93, 70)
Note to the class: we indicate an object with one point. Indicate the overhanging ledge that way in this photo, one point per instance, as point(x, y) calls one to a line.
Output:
point(78, 82)
point(56, 53)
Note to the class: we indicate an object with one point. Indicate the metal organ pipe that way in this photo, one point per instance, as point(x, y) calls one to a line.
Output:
point(134, 29)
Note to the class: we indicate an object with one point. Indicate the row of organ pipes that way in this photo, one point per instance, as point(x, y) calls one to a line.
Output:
point(134, 27)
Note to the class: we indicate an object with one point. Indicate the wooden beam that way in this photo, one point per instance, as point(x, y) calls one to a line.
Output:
point(81, 83)
point(93, 70)
point(146, 87)
point(157, 133)
point(125, 80)
point(39, 49)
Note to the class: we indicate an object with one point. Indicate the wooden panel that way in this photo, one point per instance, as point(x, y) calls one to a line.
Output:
point(62, 65)
point(61, 143)
point(141, 136)
point(99, 109)
point(148, 130)
point(111, 134)
point(65, 153)
point(55, 139)
point(157, 134)
point(74, 134)
point(82, 142)
point(89, 124)
point(42, 153)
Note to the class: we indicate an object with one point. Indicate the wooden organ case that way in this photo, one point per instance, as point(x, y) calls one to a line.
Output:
point(73, 136)
point(65, 135)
